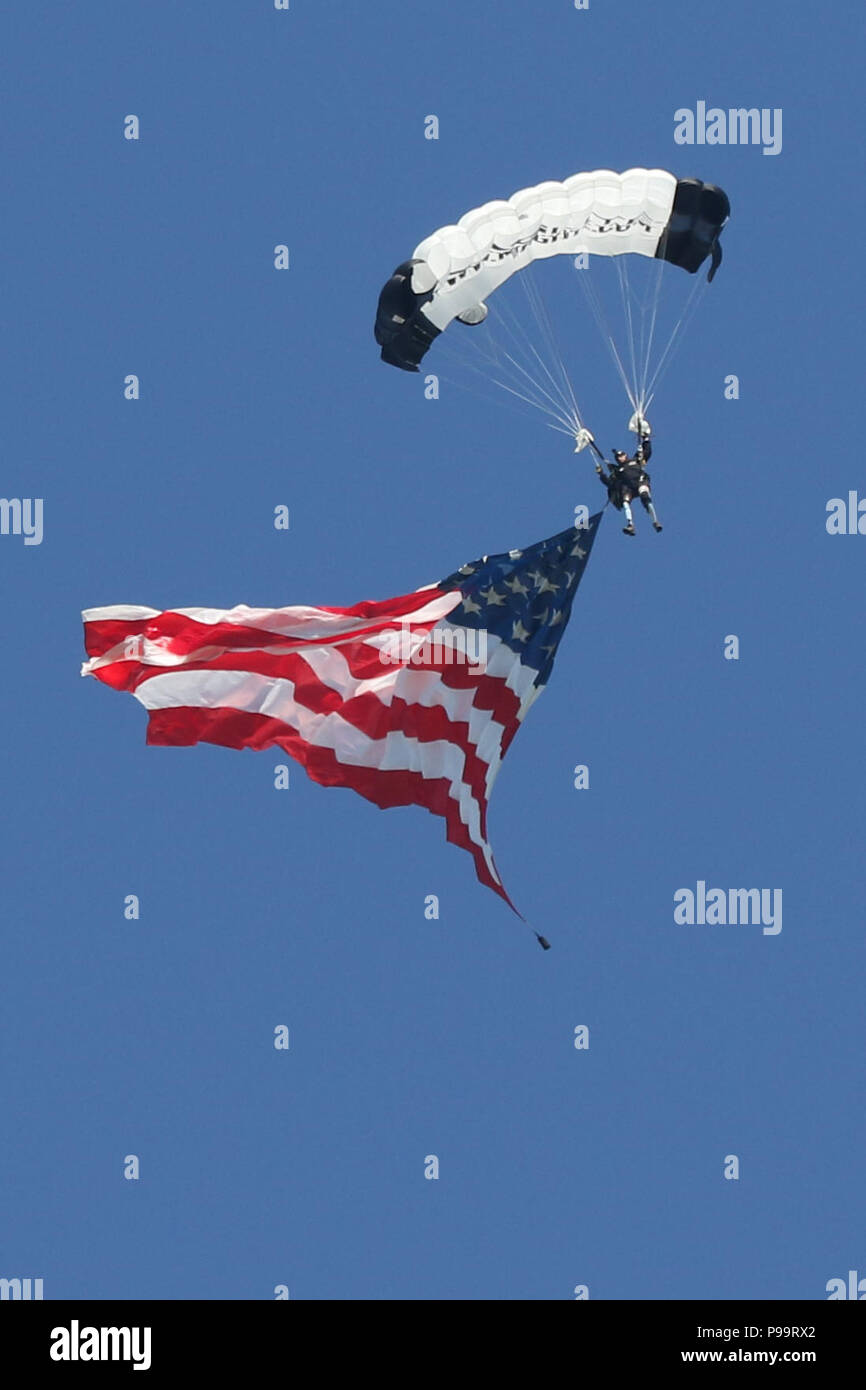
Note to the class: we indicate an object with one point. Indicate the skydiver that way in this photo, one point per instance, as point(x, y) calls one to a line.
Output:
point(629, 479)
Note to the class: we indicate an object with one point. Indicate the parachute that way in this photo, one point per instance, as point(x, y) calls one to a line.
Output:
point(644, 213)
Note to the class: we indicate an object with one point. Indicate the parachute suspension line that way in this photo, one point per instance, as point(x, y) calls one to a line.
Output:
point(490, 353)
point(641, 321)
point(542, 318)
point(562, 405)
point(492, 360)
point(626, 297)
point(502, 350)
point(646, 348)
point(591, 295)
point(640, 336)
point(690, 307)
point(503, 385)
point(559, 407)
point(563, 398)
point(520, 354)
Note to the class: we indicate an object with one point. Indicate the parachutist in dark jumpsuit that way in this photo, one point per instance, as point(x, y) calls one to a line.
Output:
point(629, 479)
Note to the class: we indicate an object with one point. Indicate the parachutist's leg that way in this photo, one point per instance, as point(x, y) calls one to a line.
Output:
point(646, 499)
point(629, 526)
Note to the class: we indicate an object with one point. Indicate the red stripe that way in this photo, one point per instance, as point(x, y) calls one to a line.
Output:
point(365, 712)
point(181, 634)
point(100, 638)
point(397, 787)
point(363, 660)
point(491, 694)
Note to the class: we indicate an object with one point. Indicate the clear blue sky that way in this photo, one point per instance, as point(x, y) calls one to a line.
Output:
point(258, 908)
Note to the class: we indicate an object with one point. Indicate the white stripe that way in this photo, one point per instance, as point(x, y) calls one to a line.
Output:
point(151, 652)
point(419, 687)
point(276, 699)
point(120, 613)
point(296, 621)
point(412, 684)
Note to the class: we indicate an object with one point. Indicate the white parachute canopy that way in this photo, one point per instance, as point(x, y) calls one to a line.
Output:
point(598, 218)
point(602, 213)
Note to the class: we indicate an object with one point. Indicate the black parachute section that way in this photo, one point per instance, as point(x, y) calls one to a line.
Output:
point(402, 331)
point(699, 213)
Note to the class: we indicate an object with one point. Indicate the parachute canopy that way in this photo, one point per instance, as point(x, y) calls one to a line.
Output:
point(645, 212)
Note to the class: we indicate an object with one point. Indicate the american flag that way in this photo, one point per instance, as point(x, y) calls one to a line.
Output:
point(409, 701)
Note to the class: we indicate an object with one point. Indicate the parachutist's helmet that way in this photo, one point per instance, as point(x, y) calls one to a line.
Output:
point(620, 455)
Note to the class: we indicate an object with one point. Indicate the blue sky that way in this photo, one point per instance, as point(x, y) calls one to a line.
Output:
point(557, 1167)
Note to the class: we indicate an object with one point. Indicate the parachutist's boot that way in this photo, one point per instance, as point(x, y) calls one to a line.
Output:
point(657, 525)
point(629, 530)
